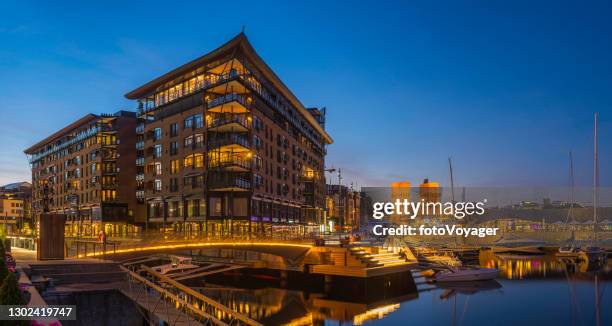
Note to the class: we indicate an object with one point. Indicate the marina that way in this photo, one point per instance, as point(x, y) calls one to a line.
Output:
point(339, 285)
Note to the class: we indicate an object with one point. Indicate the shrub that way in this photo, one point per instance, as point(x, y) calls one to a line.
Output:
point(3, 269)
point(10, 294)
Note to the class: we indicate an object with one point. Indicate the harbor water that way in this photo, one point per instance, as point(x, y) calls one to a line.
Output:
point(530, 290)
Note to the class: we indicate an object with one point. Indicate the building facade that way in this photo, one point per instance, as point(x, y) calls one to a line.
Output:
point(16, 207)
point(11, 213)
point(86, 171)
point(225, 148)
point(343, 208)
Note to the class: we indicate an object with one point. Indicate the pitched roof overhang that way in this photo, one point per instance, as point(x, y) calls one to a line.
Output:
point(247, 49)
point(56, 135)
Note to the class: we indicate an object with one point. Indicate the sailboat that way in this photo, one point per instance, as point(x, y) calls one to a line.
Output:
point(594, 251)
point(570, 250)
point(590, 251)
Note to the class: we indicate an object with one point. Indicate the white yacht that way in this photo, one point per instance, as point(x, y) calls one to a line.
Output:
point(466, 274)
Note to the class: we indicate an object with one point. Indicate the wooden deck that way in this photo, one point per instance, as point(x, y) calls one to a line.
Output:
point(366, 262)
point(360, 271)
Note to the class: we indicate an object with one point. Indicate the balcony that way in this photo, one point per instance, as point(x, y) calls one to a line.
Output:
point(233, 143)
point(228, 123)
point(110, 185)
point(110, 157)
point(230, 163)
point(109, 171)
point(229, 183)
point(229, 81)
point(108, 128)
point(228, 103)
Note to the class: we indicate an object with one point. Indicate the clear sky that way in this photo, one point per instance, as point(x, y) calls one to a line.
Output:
point(506, 88)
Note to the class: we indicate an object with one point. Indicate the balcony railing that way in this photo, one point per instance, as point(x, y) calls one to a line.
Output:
point(108, 128)
point(229, 184)
point(281, 106)
point(227, 98)
point(110, 185)
point(230, 161)
point(226, 119)
point(229, 141)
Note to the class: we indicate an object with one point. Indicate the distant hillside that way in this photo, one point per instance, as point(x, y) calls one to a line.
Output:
point(550, 215)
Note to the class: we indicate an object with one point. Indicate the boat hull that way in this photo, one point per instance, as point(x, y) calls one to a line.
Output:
point(467, 275)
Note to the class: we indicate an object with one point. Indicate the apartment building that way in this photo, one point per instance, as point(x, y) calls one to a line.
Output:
point(86, 171)
point(224, 147)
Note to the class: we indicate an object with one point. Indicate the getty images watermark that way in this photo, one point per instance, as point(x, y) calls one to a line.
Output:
point(405, 208)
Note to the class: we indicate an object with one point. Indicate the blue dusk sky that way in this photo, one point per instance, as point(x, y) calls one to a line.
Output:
point(506, 88)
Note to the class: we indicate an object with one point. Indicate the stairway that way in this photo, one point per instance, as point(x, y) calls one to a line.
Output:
point(382, 258)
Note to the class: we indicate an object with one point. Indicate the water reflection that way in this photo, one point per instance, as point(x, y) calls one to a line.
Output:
point(273, 306)
point(467, 288)
point(527, 285)
point(540, 266)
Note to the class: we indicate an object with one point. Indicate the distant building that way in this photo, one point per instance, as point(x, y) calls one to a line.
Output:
point(343, 207)
point(430, 191)
point(365, 209)
point(11, 211)
point(16, 205)
point(400, 190)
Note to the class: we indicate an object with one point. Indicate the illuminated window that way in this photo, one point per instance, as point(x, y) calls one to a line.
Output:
point(174, 166)
point(198, 160)
point(188, 162)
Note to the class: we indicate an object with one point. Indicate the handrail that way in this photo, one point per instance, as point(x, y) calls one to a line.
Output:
point(202, 297)
point(172, 296)
point(227, 119)
point(233, 139)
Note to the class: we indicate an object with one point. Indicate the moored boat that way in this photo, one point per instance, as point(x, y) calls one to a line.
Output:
point(177, 264)
point(466, 274)
point(568, 251)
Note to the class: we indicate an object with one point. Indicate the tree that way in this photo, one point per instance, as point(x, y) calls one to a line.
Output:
point(10, 294)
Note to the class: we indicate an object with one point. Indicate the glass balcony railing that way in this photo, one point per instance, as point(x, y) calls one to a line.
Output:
point(227, 119)
point(229, 184)
point(227, 98)
point(231, 141)
point(110, 185)
point(247, 79)
point(235, 161)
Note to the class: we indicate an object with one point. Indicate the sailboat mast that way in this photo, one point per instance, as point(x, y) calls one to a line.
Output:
point(595, 172)
point(450, 167)
point(571, 191)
